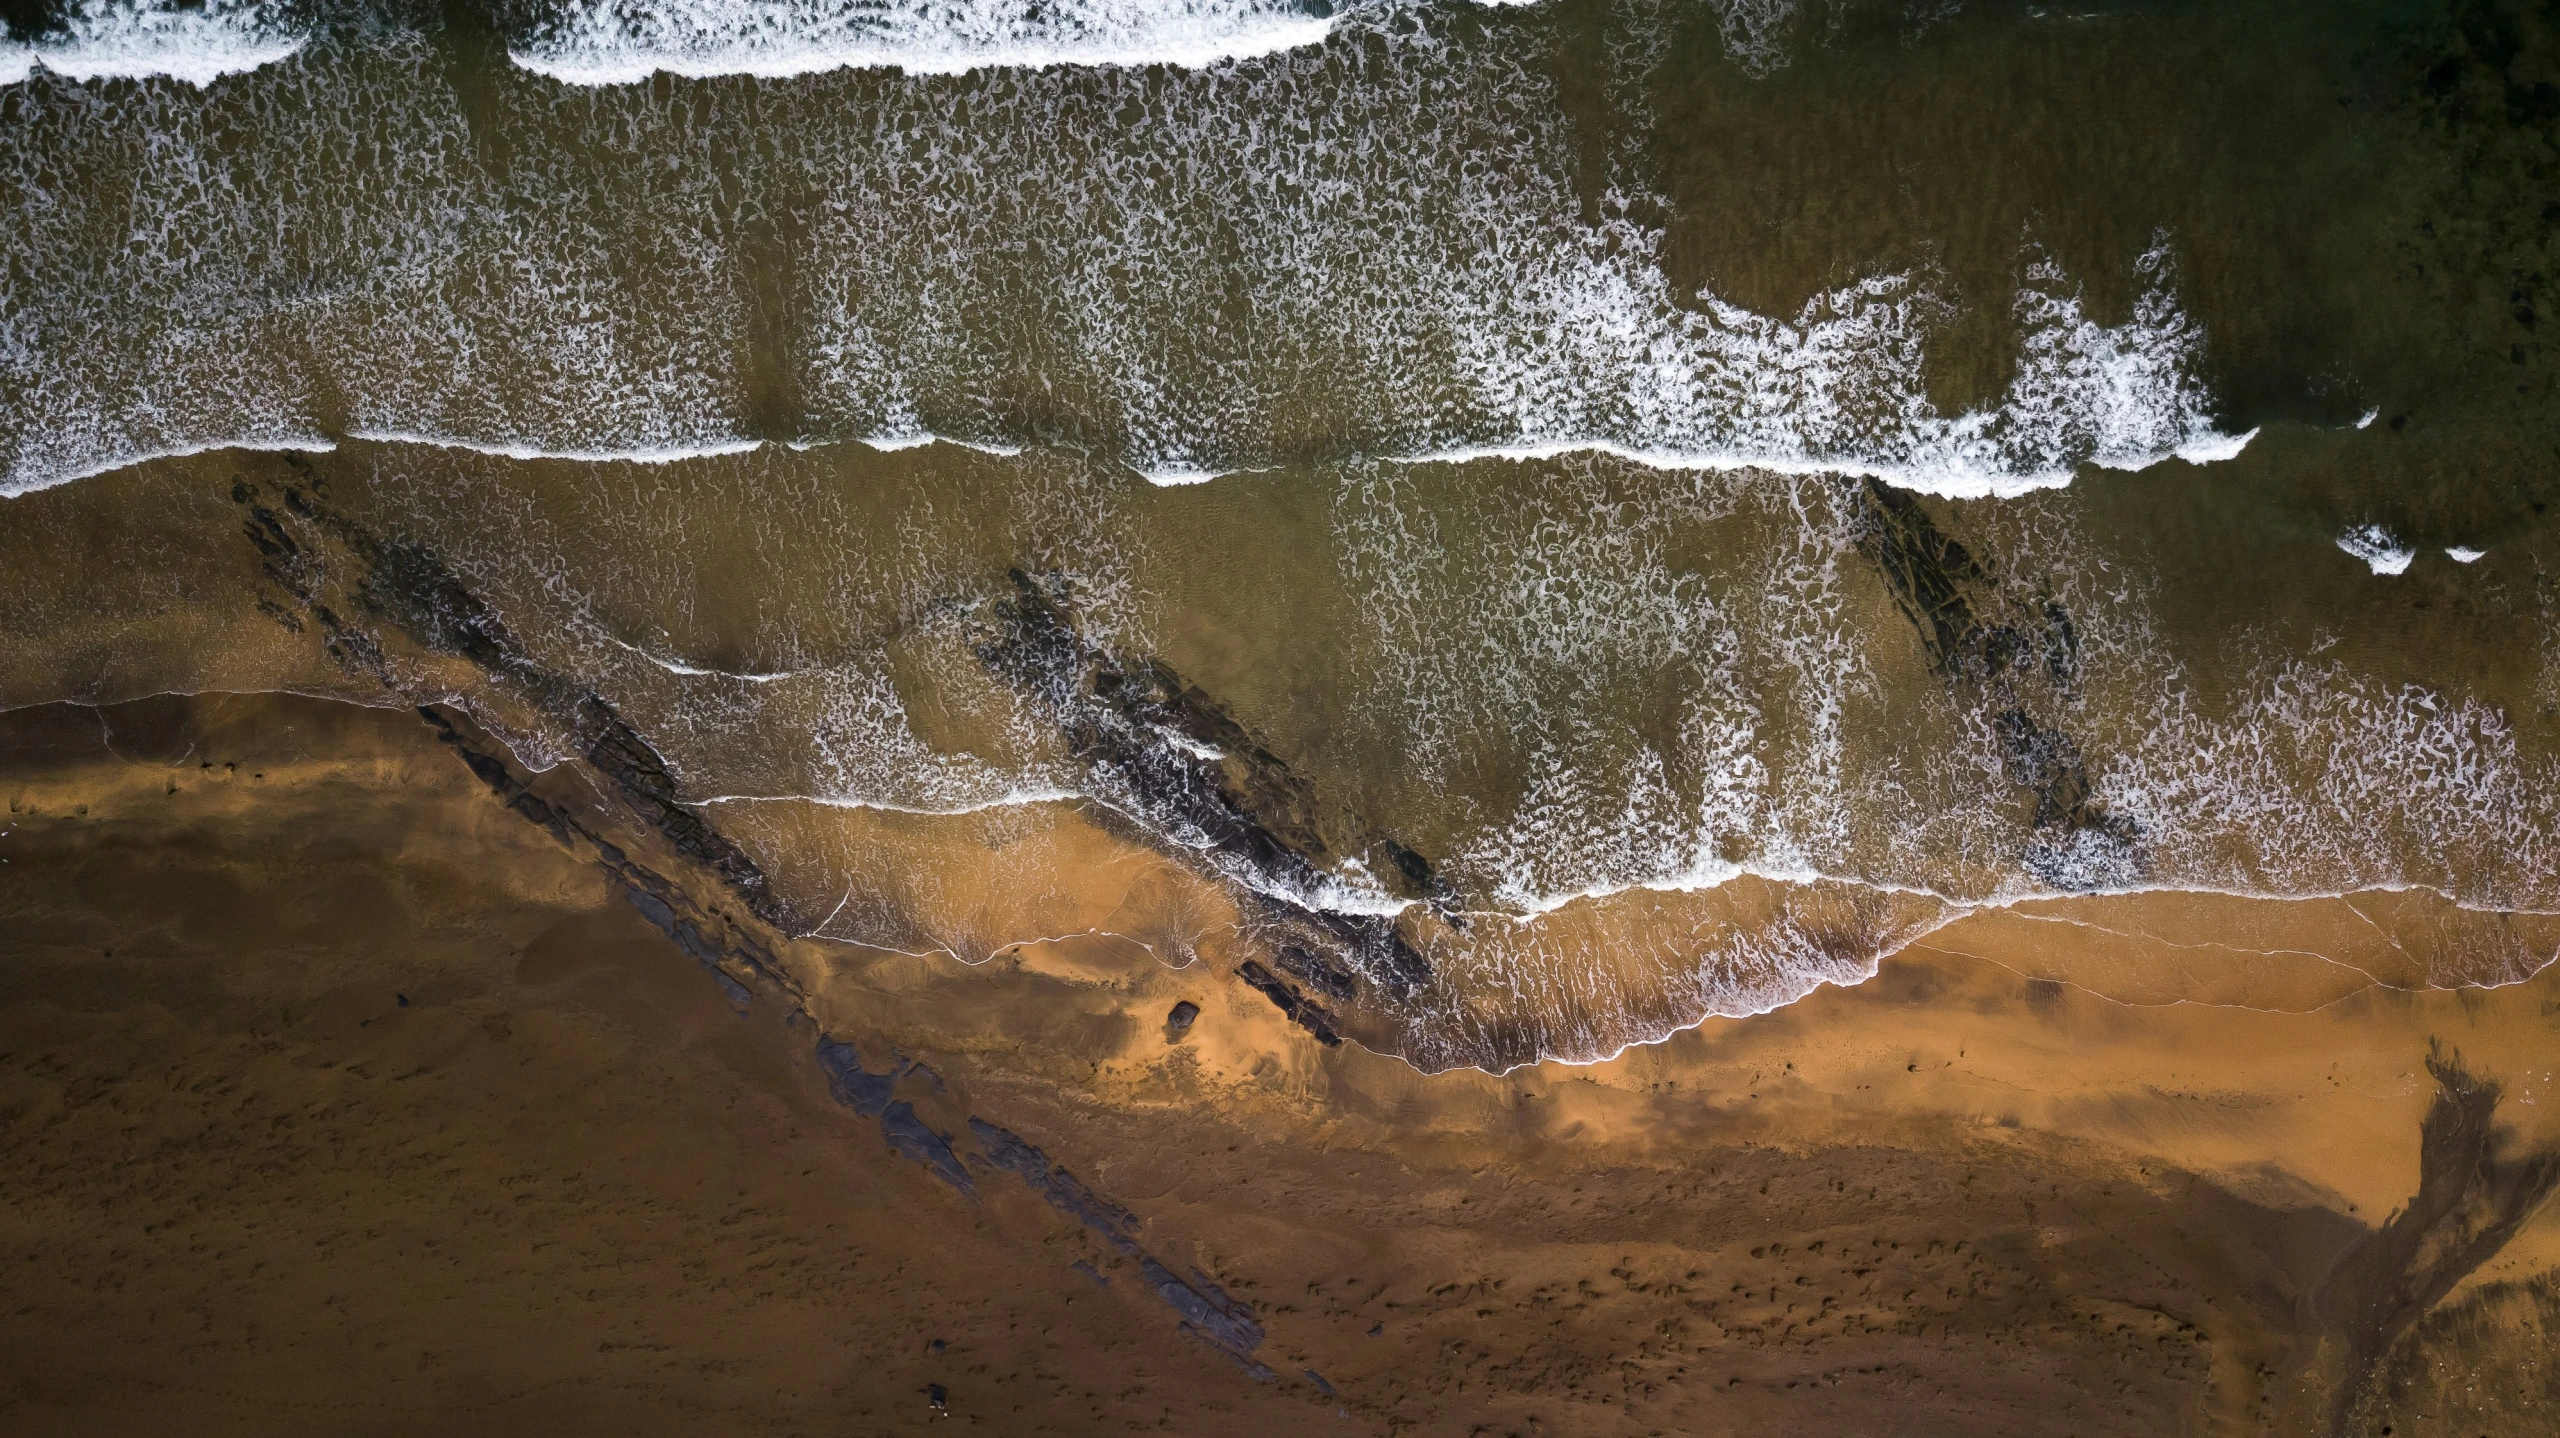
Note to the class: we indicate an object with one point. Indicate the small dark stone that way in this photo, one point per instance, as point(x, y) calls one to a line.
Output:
point(937, 1345)
point(1377, 1328)
point(1178, 1022)
point(403, 998)
point(938, 1396)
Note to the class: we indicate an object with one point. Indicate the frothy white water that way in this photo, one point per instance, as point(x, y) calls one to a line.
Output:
point(1447, 297)
point(144, 39)
point(618, 42)
point(1377, 247)
point(891, 444)
point(1009, 799)
point(1674, 729)
point(647, 454)
point(2379, 548)
point(284, 444)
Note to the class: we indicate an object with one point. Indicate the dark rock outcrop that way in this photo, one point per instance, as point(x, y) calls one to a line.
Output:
point(1191, 776)
point(715, 939)
point(874, 1096)
point(2012, 657)
point(1206, 1311)
point(408, 588)
point(1065, 1192)
point(1209, 1314)
point(1302, 1011)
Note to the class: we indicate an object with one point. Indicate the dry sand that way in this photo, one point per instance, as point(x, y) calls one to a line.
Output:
point(339, 1097)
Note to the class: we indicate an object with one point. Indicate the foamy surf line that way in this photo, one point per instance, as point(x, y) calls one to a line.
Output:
point(1952, 482)
point(27, 479)
point(1531, 910)
point(155, 40)
point(671, 454)
point(18, 483)
point(689, 671)
point(1011, 799)
point(1946, 483)
point(656, 454)
point(607, 70)
point(623, 42)
point(892, 443)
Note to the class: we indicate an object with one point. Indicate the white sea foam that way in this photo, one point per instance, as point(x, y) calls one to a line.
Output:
point(678, 667)
point(892, 443)
point(619, 42)
point(1009, 799)
point(11, 487)
point(2378, 547)
point(1957, 483)
point(1181, 476)
point(1448, 298)
point(642, 454)
point(147, 39)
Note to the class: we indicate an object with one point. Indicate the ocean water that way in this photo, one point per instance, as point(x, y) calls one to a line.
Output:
point(1542, 523)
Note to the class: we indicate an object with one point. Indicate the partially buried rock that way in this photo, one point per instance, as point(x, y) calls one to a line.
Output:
point(1178, 1022)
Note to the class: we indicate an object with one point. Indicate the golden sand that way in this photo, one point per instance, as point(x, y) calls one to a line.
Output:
point(2020, 1182)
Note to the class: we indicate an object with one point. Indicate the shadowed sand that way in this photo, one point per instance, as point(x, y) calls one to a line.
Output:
point(342, 1093)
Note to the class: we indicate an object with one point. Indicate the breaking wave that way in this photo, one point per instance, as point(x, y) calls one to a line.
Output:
point(147, 39)
point(618, 42)
point(1447, 294)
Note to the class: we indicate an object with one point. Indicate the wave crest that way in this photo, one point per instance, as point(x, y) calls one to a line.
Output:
point(619, 42)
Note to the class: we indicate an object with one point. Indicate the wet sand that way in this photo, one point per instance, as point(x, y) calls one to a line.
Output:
point(344, 1091)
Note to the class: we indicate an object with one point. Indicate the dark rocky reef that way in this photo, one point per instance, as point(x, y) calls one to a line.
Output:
point(1193, 779)
point(347, 579)
point(712, 937)
point(1302, 1011)
point(329, 568)
point(2013, 657)
point(1066, 1193)
point(1206, 1311)
point(874, 1096)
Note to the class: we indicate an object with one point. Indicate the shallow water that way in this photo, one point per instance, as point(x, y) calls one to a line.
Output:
point(1545, 522)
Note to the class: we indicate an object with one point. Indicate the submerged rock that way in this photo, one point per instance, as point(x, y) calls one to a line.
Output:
point(1178, 763)
point(409, 588)
point(2013, 656)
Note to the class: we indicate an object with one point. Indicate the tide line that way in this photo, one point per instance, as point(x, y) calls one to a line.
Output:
point(14, 485)
point(664, 454)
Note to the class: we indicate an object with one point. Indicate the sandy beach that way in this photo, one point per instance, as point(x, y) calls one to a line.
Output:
point(342, 1096)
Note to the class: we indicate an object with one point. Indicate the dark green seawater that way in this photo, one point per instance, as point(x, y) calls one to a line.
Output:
point(1572, 517)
